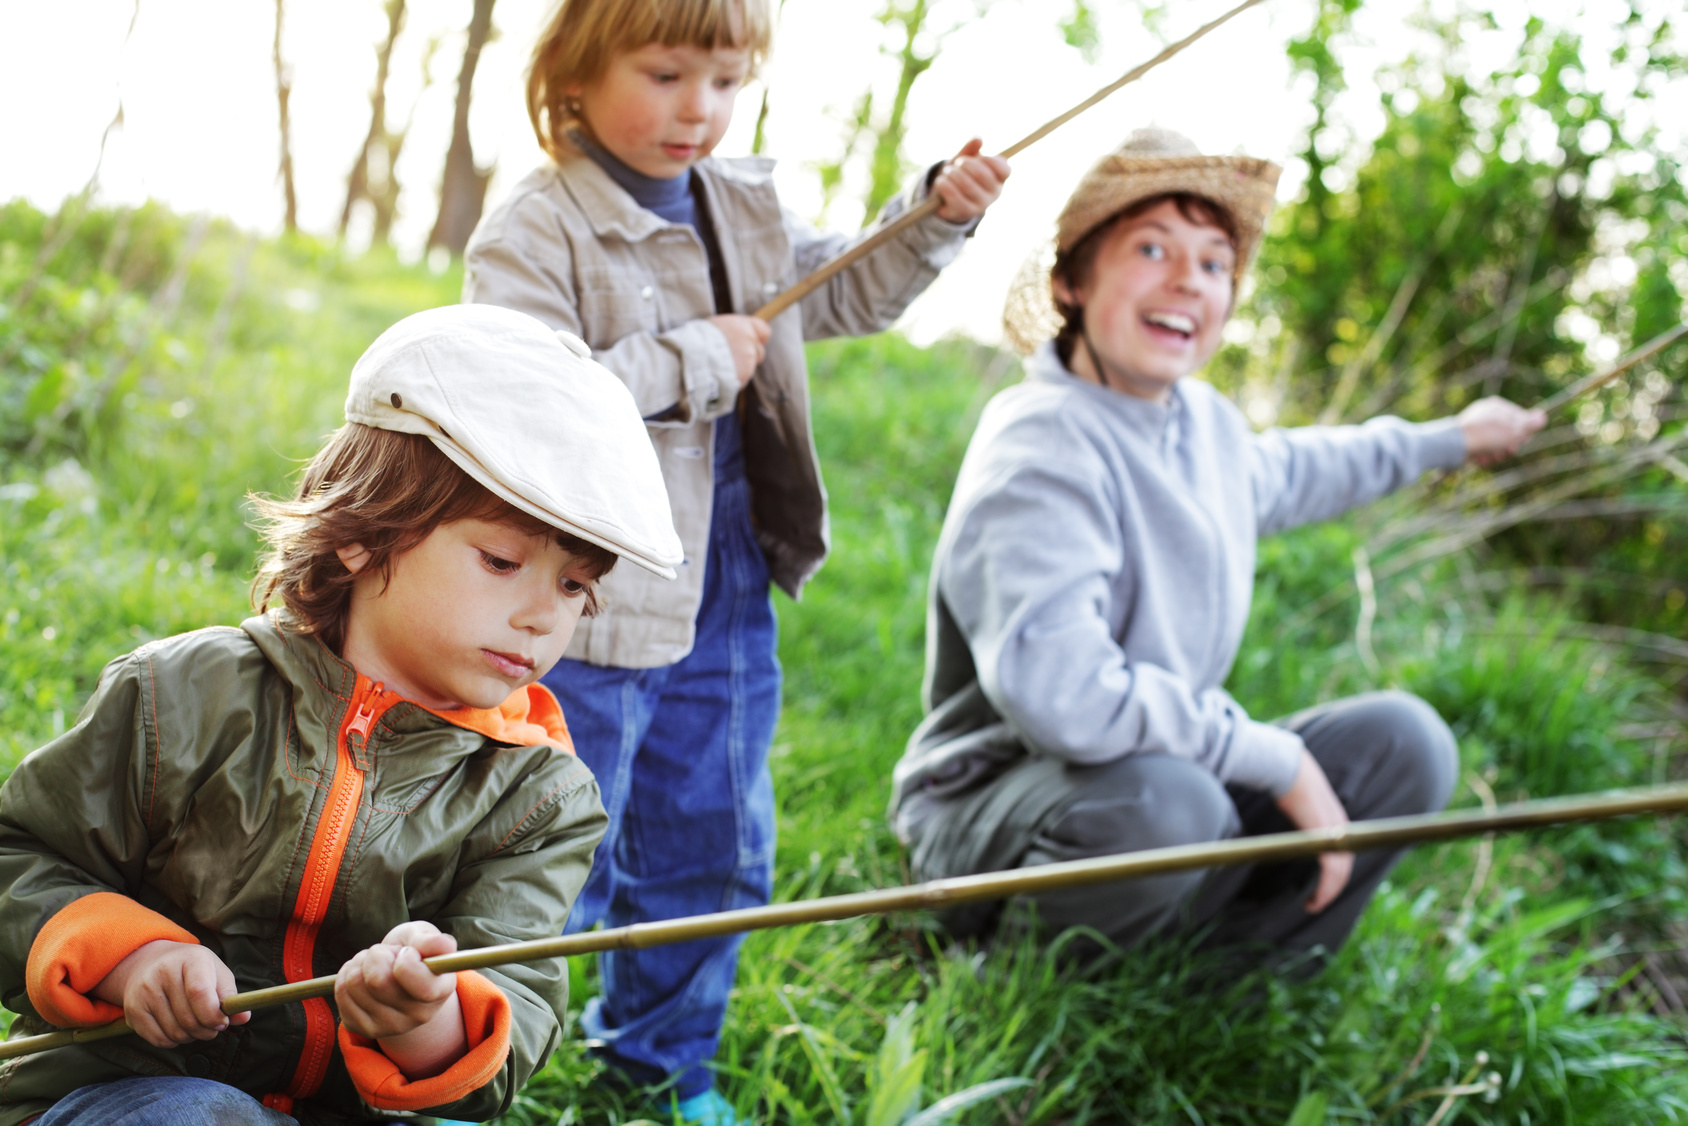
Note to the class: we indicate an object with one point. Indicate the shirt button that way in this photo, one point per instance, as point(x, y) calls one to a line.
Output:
point(646, 293)
point(198, 1066)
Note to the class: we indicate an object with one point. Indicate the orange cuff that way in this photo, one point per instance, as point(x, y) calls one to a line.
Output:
point(486, 1025)
point(83, 943)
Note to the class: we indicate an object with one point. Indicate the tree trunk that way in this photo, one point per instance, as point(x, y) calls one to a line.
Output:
point(357, 183)
point(888, 166)
point(283, 91)
point(463, 186)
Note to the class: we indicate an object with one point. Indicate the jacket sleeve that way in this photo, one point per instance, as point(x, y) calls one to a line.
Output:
point(1030, 575)
point(513, 887)
point(870, 295)
point(1314, 473)
point(73, 846)
point(686, 372)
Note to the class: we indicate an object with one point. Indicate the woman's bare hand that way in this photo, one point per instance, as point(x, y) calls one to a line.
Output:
point(1311, 804)
point(1494, 429)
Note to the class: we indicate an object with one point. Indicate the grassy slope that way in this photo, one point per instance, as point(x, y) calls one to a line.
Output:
point(846, 1022)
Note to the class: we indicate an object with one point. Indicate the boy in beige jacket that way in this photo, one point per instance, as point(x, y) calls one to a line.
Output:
point(634, 237)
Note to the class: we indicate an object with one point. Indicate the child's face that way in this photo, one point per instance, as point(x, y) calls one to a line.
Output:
point(473, 612)
point(661, 109)
point(1158, 296)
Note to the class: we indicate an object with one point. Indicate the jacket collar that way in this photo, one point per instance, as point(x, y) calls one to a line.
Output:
point(1148, 421)
point(607, 206)
point(321, 680)
point(611, 210)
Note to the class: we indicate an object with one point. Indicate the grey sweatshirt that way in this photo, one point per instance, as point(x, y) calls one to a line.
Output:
point(1093, 577)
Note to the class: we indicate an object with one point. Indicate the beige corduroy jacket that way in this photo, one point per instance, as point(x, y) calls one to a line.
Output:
point(570, 247)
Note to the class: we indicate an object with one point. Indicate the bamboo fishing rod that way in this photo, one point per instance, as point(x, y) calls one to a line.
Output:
point(1354, 837)
point(1599, 379)
point(930, 205)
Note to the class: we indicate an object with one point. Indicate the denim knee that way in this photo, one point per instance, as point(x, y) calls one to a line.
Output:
point(161, 1101)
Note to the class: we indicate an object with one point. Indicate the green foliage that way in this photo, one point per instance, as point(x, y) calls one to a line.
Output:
point(133, 423)
point(1485, 218)
point(1080, 31)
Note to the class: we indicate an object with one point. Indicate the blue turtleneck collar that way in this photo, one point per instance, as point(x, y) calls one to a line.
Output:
point(671, 198)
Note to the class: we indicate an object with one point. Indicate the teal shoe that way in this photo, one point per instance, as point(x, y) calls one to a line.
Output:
point(708, 1109)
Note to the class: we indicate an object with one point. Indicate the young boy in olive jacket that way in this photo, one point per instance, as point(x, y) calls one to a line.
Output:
point(364, 777)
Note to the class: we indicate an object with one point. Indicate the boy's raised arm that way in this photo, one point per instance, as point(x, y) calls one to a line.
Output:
point(871, 294)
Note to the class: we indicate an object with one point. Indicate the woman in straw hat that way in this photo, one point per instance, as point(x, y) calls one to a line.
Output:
point(1093, 580)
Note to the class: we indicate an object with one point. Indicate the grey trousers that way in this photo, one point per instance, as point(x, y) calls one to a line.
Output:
point(1386, 754)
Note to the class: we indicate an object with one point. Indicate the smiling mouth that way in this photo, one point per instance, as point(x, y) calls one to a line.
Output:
point(1178, 324)
point(508, 664)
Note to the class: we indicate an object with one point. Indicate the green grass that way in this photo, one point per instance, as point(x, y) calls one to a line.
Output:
point(144, 533)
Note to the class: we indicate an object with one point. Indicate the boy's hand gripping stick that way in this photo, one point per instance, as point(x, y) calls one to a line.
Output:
point(929, 206)
point(1389, 832)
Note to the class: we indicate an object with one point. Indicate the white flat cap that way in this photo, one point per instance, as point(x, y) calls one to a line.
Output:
point(525, 412)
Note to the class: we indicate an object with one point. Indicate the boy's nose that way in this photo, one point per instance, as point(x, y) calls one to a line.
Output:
point(538, 612)
point(694, 105)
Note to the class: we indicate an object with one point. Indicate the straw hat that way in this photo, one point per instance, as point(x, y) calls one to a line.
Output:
point(1151, 162)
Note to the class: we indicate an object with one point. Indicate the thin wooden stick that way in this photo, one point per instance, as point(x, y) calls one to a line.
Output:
point(1583, 386)
point(928, 206)
point(937, 894)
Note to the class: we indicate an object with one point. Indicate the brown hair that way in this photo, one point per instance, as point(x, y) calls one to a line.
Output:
point(387, 491)
point(584, 35)
point(1074, 265)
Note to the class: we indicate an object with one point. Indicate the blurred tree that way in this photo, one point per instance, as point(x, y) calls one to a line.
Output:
point(880, 136)
point(1502, 232)
point(283, 92)
point(463, 184)
point(760, 139)
point(1081, 32)
point(377, 138)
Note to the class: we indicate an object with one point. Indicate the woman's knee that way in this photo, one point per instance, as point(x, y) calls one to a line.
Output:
point(1422, 761)
point(1140, 802)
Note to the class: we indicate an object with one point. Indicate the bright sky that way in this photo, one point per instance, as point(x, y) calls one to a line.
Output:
point(200, 130)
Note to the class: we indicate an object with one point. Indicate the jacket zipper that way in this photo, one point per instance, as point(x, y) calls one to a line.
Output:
point(316, 888)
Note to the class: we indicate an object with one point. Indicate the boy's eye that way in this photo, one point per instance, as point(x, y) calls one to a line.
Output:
point(1215, 267)
point(572, 587)
point(498, 565)
point(1152, 250)
point(664, 77)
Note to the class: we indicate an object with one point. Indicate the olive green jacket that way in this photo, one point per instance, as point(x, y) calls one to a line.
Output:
point(248, 789)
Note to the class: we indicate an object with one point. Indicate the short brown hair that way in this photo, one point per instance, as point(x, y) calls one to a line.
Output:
point(1074, 265)
point(387, 491)
point(584, 35)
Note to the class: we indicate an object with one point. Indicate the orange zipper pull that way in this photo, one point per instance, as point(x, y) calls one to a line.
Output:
point(365, 717)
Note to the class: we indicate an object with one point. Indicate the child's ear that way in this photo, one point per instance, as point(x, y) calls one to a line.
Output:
point(354, 556)
point(1065, 293)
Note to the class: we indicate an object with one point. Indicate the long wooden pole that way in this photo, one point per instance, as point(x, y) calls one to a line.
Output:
point(931, 203)
point(1599, 379)
point(1361, 835)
